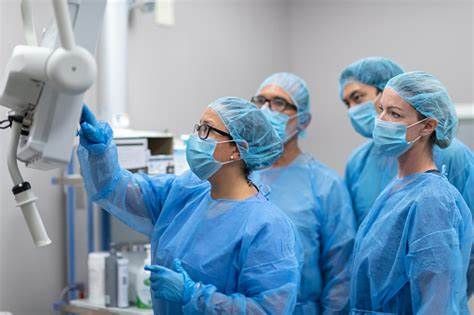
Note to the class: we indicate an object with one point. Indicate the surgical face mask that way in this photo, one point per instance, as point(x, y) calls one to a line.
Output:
point(279, 122)
point(363, 118)
point(200, 156)
point(390, 138)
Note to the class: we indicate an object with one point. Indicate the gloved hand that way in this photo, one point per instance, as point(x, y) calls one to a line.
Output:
point(175, 286)
point(95, 136)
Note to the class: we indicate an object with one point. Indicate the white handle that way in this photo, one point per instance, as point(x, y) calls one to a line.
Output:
point(26, 201)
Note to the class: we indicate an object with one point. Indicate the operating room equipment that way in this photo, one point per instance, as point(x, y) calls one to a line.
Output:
point(44, 87)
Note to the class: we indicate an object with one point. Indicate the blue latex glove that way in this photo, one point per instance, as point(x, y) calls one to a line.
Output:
point(175, 286)
point(95, 136)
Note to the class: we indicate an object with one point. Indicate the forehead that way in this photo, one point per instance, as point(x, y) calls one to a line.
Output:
point(272, 90)
point(391, 98)
point(210, 117)
point(355, 86)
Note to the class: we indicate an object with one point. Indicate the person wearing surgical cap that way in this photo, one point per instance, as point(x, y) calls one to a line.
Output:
point(312, 195)
point(368, 172)
point(218, 245)
point(411, 252)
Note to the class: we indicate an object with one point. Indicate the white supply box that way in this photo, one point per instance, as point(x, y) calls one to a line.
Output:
point(132, 153)
point(144, 150)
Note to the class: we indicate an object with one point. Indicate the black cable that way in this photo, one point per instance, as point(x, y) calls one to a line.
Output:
point(7, 123)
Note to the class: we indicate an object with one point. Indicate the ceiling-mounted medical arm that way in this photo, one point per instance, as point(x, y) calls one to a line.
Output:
point(24, 197)
point(64, 24)
point(28, 26)
point(68, 70)
point(71, 68)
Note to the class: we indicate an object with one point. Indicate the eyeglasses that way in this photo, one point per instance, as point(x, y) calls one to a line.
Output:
point(277, 104)
point(203, 130)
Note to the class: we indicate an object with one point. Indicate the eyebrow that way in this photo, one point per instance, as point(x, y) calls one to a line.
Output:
point(208, 122)
point(354, 93)
point(274, 95)
point(391, 106)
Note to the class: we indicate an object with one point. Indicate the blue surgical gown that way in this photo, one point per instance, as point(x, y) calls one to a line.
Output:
point(368, 172)
point(244, 252)
point(317, 201)
point(411, 252)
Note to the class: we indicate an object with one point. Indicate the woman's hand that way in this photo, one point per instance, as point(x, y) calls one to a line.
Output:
point(95, 136)
point(174, 286)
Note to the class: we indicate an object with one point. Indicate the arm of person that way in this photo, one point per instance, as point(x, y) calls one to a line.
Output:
point(337, 241)
point(135, 199)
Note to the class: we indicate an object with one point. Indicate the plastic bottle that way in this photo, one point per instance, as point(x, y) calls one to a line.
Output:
point(111, 278)
point(122, 282)
point(135, 257)
point(116, 279)
point(142, 283)
point(96, 266)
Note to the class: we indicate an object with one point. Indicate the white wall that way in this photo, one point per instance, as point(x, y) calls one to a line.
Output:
point(325, 36)
point(217, 48)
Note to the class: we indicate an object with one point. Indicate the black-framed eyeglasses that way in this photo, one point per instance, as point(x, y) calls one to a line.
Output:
point(277, 104)
point(203, 130)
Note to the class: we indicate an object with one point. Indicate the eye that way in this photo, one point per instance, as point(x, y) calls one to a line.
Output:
point(358, 98)
point(277, 104)
point(261, 100)
point(395, 115)
point(278, 101)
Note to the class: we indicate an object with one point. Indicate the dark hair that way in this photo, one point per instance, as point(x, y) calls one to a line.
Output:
point(246, 172)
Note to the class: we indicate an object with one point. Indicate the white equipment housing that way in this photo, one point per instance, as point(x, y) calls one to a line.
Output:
point(39, 85)
point(44, 88)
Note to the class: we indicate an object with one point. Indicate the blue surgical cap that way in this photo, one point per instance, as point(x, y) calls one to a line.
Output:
point(293, 85)
point(431, 99)
point(246, 123)
point(373, 71)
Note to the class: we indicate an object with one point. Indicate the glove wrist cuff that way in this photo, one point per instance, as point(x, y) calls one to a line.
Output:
point(189, 291)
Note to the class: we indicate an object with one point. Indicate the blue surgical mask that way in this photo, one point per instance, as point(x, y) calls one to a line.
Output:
point(390, 138)
point(362, 118)
point(279, 122)
point(200, 156)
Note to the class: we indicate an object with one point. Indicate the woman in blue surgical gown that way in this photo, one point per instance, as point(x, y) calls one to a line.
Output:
point(218, 245)
point(411, 252)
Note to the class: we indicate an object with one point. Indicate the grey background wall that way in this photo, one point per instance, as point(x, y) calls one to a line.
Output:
point(434, 36)
point(217, 48)
point(226, 47)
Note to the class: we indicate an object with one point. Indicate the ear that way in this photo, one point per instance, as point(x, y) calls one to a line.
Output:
point(305, 120)
point(430, 127)
point(235, 152)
